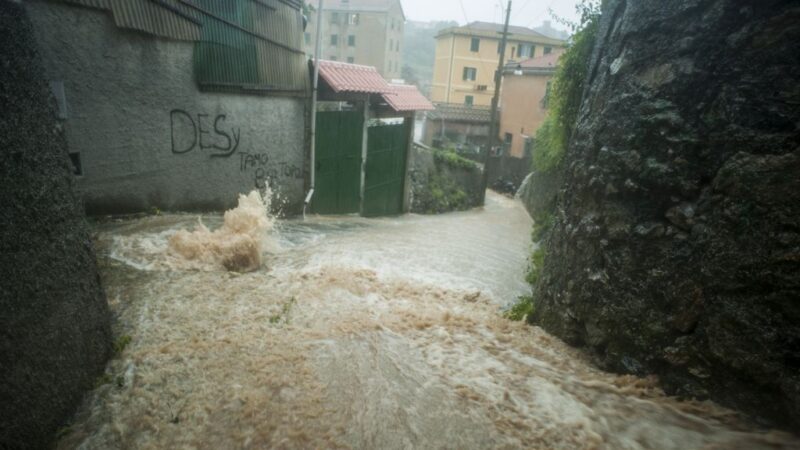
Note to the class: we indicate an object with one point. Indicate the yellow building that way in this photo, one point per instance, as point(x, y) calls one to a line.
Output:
point(467, 57)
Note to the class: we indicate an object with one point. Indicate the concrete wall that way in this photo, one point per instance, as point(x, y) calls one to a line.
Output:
point(54, 322)
point(470, 133)
point(146, 136)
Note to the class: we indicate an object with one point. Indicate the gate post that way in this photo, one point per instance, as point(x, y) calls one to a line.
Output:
point(364, 155)
point(410, 124)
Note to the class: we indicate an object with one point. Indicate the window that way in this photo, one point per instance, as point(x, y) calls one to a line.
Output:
point(335, 17)
point(507, 143)
point(352, 19)
point(334, 39)
point(548, 50)
point(526, 50)
point(528, 147)
point(391, 44)
point(475, 45)
point(393, 24)
point(351, 40)
point(350, 59)
point(307, 37)
point(480, 87)
point(513, 51)
point(469, 100)
point(469, 74)
point(334, 58)
point(397, 46)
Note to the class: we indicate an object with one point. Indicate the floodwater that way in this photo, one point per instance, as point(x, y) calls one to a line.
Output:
point(357, 333)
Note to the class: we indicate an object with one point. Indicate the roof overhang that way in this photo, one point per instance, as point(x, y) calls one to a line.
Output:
point(353, 82)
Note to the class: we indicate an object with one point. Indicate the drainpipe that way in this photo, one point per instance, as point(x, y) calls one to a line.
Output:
point(314, 92)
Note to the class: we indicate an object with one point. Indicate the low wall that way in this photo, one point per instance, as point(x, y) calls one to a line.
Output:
point(142, 132)
point(442, 182)
point(506, 173)
point(54, 319)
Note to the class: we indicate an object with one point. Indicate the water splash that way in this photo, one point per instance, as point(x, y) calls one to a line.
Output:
point(237, 245)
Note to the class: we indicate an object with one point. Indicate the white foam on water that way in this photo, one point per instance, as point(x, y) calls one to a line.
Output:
point(320, 351)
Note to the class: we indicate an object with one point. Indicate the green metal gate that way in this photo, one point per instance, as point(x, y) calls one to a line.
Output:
point(338, 162)
point(387, 148)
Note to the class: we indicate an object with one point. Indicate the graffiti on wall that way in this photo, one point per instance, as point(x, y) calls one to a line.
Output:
point(264, 170)
point(213, 134)
point(202, 132)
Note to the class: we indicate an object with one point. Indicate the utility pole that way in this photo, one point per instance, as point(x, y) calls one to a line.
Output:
point(493, 128)
point(314, 92)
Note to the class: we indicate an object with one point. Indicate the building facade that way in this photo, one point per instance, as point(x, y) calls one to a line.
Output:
point(467, 58)
point(178, 105)
point(365, 32)
point(524, 102)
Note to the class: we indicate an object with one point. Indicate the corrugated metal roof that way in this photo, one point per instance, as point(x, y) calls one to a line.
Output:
point(344, 77)
point(462, 113)
point(408, 98)
point(102, 4)
point(156, 17)
point(250, 44)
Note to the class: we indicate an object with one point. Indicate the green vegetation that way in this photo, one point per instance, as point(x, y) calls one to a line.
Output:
point(283, 315)
point(552, 138)
point(444, 195)
point(453, 159)
point(564, 98)
point(102, 380)
point(521, 309)
point(121, 343)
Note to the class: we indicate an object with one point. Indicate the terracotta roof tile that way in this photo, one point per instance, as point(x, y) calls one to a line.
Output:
point(542, 62)
point(343, 77)
point(408, 98)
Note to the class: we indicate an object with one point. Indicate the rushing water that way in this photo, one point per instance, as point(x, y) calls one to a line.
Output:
point(357, 333)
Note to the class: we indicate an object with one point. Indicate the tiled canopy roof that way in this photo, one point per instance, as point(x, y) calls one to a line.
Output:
point(461, 113)
point(343, 77)
point(354, 78)
point(408, 98)
point(542, 62)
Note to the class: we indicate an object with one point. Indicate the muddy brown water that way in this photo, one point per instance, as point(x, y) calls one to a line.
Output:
point(358, 333)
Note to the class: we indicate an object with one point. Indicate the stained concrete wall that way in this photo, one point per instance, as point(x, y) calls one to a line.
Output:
point(54, 322)
point(146, 136)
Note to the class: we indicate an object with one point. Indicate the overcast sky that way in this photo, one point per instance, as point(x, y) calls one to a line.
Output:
point(523, 12)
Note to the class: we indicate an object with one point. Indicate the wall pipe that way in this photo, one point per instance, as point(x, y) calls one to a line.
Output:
point(314, 93)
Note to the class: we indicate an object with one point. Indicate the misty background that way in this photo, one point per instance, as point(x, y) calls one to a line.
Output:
point(425, 18)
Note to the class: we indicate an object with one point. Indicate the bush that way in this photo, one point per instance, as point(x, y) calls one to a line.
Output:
point(443, 195)
point(564, 99)
point(453, 159)
point(521, 309)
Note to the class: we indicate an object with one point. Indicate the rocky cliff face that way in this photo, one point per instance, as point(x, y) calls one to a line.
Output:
point(676, 247)
point(54, 321)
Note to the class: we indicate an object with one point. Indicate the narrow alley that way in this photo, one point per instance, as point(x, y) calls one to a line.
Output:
point(361, 333)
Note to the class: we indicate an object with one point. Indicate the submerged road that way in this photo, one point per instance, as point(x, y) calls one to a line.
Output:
point(362, 333)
